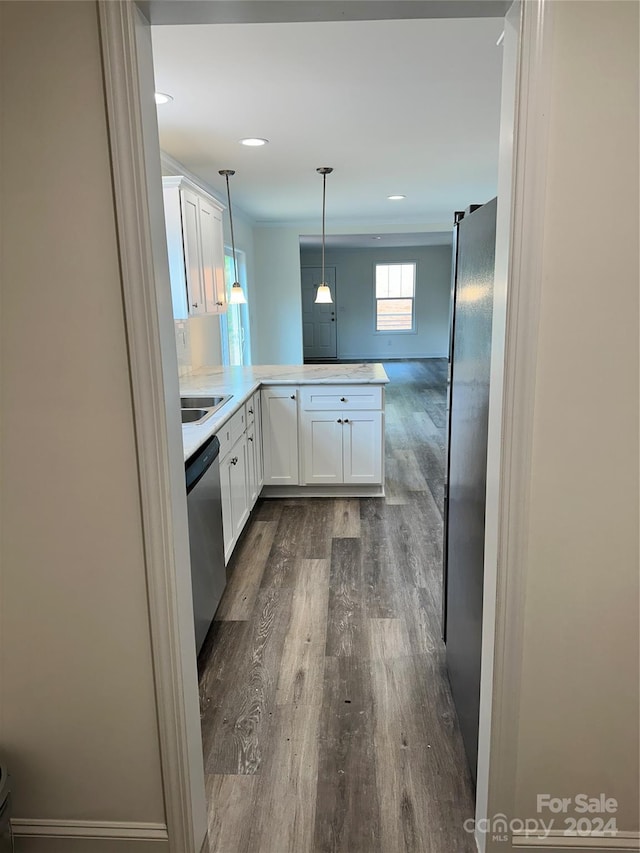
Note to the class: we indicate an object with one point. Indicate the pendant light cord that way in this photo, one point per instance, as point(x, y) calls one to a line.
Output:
point(324, 197)
point(233, 242)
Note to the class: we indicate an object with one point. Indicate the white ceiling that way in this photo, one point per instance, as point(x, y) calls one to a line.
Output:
point(394, 106)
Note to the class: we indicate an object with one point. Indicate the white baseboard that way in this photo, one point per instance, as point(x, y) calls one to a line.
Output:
point(557, 840)
point(322, 492)
point(390, 357)
point(88, 836)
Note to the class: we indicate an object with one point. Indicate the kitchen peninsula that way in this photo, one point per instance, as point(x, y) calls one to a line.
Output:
point(291, 430)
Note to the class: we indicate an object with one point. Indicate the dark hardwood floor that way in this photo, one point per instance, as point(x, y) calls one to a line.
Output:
point(327, 719)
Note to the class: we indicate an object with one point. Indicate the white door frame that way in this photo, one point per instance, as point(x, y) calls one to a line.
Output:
point(152, 358)
point(144, 264)
point(517, 288)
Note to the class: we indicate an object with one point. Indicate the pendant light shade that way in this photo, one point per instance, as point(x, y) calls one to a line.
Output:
point(237, 296)
point(323, 293)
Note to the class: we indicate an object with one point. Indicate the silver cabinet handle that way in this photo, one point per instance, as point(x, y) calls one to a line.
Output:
point(194, 304)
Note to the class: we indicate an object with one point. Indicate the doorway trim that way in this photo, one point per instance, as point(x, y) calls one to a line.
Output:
point(165, 549)
point(159, 448)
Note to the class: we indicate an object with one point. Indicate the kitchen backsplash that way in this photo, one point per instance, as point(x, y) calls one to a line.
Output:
point(198, 343)
point(183, 347)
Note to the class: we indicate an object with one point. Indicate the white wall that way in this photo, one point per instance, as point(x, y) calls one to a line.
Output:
point(275, 301)
point(355, 306)
point(77, 708)
point(578, 712)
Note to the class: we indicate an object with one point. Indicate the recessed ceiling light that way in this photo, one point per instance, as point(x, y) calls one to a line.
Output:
point(162, 98)
point(253, 141)
point(396, 197)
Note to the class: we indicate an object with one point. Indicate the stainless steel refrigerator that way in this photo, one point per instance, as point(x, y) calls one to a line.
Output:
point(469, 372)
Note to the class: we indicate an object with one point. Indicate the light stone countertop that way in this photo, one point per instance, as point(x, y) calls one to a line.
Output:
point(241, 382)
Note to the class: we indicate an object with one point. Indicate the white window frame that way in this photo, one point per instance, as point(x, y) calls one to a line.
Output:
point(241, 258)
point(414, 324)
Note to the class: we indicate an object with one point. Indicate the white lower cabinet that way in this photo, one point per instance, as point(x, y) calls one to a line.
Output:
point(322, 443)
point(255, 467)
point(257, 404)
point(342, 447)
point(280, 435)
point(362, 447)
point(287, 436)
point(252, 472)
point(234, 491)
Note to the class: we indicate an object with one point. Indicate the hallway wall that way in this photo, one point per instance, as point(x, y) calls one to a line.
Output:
point(79, 730)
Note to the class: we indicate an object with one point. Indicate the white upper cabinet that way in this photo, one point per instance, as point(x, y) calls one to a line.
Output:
point(195, 246)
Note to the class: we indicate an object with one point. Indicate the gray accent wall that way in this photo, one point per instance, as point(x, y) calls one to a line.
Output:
point(355, 301)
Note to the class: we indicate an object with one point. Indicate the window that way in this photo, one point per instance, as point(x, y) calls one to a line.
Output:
point(395, 293)
point(235, 322)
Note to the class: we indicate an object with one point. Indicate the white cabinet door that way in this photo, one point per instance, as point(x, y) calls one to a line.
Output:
point(191, 246)
point(252, 476)
point(362, 447)
point(238, 482)
point(195, 247)
point(227, 511)
point(280, 435)
point(257, 408)
point(212, 246)
point(234, 492)
point(322, 447)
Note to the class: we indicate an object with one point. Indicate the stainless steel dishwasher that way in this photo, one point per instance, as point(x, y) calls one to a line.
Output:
point(204, 506)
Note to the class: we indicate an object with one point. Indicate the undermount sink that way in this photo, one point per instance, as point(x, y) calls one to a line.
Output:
point(197, 409)
point(192, 416)
point(203, 402)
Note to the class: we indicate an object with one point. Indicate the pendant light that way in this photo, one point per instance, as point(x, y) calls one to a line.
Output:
point(323, 293)
point(237, 296)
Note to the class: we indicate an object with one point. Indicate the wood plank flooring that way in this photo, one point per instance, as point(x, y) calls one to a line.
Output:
point(327, 719)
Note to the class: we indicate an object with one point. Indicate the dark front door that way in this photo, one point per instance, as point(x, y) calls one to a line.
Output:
point(473, 308)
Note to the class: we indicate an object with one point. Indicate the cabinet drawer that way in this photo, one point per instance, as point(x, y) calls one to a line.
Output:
point(252, 407)
point(336, 397)
point(230, 432)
